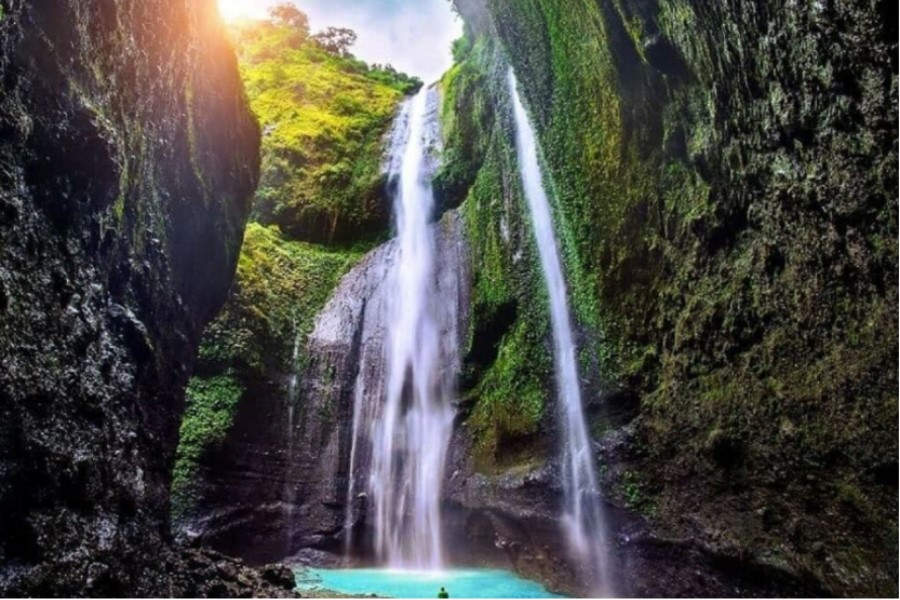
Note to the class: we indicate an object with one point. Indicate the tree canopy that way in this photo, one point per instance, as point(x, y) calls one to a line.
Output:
point(288, 15)
point(336, 40)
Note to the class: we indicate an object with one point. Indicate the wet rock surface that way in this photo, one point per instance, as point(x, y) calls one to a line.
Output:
point(511, 520)
point(203, 573)
point(127, 162)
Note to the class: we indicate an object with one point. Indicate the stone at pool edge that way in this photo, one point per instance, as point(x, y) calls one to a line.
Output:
point(279, 575)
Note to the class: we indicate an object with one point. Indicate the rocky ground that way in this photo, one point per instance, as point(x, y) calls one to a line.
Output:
point(204, 573)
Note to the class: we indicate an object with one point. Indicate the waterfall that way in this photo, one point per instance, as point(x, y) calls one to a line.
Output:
point(287, 493)
point(358, 408)
point(582, 518)
point(403, 416)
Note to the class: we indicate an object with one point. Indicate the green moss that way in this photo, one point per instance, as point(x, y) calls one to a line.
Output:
point(599, 182)
point(636, 494)
point(279, 288)
point(467, 117)
point(727, 276)
point(600, 425)
point(511, 392)
point(193, 150)
point(323, 118)
point(850, 494)
point(209, 412)
point(634, 27)
point(511, 396)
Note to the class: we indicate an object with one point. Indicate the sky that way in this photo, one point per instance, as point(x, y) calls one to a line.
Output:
point(412, 35)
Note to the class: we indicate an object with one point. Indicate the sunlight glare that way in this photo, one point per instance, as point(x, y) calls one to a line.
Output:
point(233, 10)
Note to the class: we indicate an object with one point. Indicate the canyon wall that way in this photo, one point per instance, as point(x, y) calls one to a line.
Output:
point(128, 158)
point(725, 185)
point(723, 177)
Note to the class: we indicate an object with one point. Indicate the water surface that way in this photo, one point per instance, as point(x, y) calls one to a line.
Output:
point(460, 583)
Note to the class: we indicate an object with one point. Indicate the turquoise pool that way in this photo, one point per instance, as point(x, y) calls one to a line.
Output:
point(460, 583)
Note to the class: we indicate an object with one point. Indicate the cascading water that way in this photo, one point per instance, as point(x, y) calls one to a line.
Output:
point(583, 516)
point(288, 491)
point(409, 409)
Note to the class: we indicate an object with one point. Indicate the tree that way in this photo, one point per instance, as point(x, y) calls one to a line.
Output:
point(288, 15)
point(336, 40)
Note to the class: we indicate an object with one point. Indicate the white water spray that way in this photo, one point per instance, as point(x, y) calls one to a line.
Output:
point(411, 432)
point(583, 517)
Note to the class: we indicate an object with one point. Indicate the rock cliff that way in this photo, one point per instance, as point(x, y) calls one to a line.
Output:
point(278, 481)
point(128, 158)
point(724, 177)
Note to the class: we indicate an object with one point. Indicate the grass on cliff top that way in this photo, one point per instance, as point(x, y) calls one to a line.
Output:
point(324, 116)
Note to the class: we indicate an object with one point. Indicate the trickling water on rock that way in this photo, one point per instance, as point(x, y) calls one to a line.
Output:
point(583, 516)
point(288, 499)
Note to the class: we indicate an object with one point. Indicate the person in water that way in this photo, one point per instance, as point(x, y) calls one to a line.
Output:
point(443, 593)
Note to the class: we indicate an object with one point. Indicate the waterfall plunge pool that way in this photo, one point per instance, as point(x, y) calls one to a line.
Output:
point(396, 583)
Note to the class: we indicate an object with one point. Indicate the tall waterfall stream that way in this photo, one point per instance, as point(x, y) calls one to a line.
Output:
point(583, 517)
point(408, 431)
point(403, 397)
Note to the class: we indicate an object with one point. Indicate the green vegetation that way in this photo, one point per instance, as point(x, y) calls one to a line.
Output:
point(589, 203)
point(728, 277)
point(279, 288)
point(637, 498)
point(324, 115)
point(600, 184)
point(467, 118)
point(509, 308)
point(209, 410)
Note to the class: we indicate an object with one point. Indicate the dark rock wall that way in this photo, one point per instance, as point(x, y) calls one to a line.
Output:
point(127, 161)
point(725, 175)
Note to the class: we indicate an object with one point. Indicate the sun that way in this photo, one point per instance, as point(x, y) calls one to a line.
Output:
point(233, 10)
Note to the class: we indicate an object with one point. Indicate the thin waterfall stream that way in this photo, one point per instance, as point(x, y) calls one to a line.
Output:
point(583, 516)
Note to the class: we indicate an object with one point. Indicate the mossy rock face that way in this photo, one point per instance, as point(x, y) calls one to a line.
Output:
point(280, 286)
point(128, 159)
point(724, 183)
point(507, 364)
point(259, 336)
